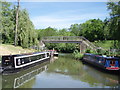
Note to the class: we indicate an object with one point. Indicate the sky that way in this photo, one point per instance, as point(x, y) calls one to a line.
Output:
point(61, 15)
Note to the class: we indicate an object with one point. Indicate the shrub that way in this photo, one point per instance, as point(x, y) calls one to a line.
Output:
point(77, 54)
point(89, 51)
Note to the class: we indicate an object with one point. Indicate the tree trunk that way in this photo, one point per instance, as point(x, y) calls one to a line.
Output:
point(16, 26)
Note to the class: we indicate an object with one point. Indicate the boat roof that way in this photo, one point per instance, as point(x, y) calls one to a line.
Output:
point(107, 57)
point(23, 54)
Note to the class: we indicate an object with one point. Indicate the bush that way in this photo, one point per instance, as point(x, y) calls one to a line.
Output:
point(77, 54)
point(89, 51)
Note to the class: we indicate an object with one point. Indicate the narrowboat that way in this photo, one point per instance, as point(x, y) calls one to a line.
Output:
point(15, 62)
point(104, 62)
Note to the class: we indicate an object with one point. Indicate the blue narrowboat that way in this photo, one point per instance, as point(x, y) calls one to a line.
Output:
point(104, 62)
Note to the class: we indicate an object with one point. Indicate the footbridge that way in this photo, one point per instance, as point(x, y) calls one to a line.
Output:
point(84, 43)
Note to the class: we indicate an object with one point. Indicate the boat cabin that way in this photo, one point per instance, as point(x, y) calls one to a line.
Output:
point(109, 63)
point(23, 60)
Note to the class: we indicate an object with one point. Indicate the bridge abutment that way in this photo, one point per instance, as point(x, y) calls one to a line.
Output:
point(83, 47)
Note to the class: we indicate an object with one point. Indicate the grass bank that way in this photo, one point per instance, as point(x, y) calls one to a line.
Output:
point(10, 49)
point(106, 44)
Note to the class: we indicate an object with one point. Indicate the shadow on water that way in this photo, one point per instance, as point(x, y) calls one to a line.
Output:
point(65, 72)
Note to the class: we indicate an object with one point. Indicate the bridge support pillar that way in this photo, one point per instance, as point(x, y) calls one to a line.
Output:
point(83, 47)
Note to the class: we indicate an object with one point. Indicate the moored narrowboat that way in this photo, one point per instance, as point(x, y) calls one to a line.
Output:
point(15, 62)
point(104, 62)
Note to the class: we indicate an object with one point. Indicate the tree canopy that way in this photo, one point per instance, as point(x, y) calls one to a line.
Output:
point(114, 8)
point(26, 32)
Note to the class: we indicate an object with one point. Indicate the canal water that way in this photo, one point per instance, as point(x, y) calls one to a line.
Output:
point(64, 72)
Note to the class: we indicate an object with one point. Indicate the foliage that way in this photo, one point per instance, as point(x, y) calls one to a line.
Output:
point(61, 47)
point(89, 51)
point(105, 44)
point(75, 29)
point(93, 29)
point(77, 54)
point(7, 23)
point(27, 35)
point(114, 21)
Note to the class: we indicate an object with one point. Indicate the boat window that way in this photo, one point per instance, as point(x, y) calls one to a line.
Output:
point(18, 61)
point(43, 55)
point(6, 61)
point(22, 60)
point(33, 58)
point(26, 60)
point(47, 54)
point(38, 57)
point(112, 63)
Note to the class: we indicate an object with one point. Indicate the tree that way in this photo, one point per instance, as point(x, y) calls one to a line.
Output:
point(46, 32)
point(16, 25)
point(114, 7)
point(7, 23)
point(114, 20)
point(26, 32)
point(22, 33)
point(75, 29)
point(107, 35)
point(93, 29)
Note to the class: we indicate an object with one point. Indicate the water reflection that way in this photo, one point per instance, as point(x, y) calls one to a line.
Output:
point(23, 77)
point(0, 81)
point(63, 72)
point(79, 71)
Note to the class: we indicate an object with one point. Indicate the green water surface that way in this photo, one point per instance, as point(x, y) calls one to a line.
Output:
point(64, 72)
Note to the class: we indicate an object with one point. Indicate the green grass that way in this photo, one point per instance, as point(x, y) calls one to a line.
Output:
point(104, 44)
point(6, 49)
point(107, 44)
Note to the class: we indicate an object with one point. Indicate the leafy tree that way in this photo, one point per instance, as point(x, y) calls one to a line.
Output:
point(26, 32)
point(75, 29)
point(65, 32)
point(93, 29)
point(114, 7)
point(7, 23)
point(107, 34)
point(46, 32)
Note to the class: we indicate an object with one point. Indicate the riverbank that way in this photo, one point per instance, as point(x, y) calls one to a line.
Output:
point(106, 44)
point(11, 49)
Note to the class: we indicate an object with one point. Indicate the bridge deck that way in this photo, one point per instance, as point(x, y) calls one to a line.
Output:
point(68, 39)
point(61, 41)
